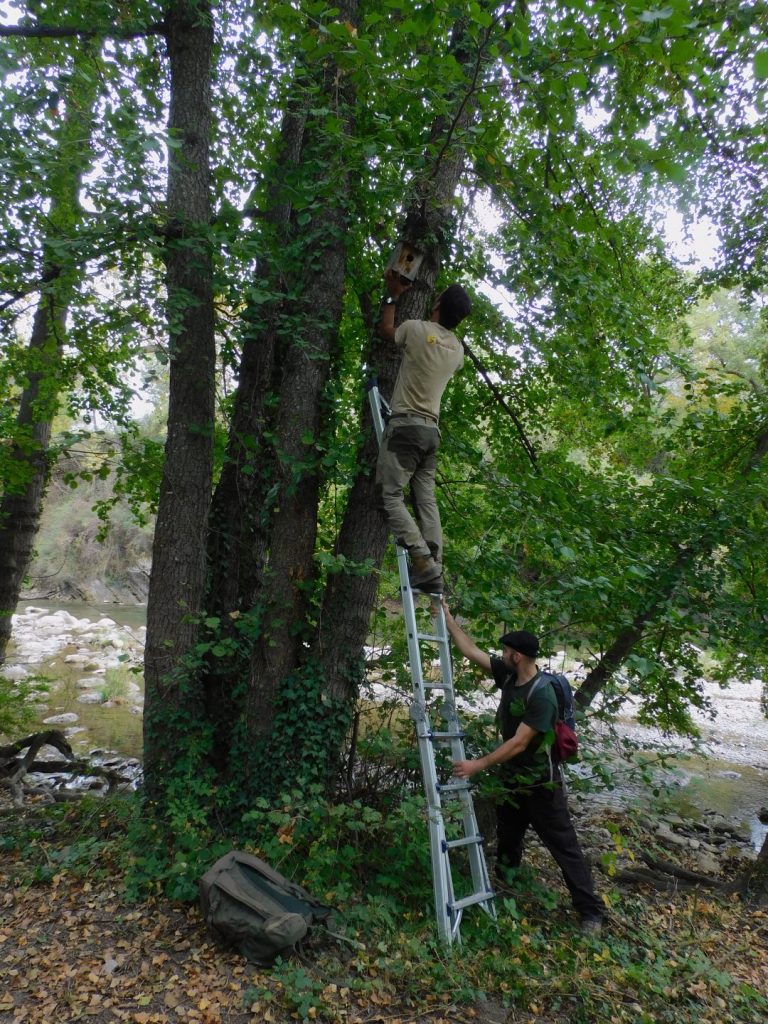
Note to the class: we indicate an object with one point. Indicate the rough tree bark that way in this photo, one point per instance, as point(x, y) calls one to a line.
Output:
point(265, 509)
point(349, 599)
point(238, 534)
point(25, 485)
point(752, 886)
point(173, 697)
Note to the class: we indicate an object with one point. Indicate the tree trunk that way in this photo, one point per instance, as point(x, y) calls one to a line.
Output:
point(349, 599)
point(264, 516)
point(238, 537)
point(753, 883)
point(174, 703)
point(25, 483)
point(238, 532)
point(285, 596)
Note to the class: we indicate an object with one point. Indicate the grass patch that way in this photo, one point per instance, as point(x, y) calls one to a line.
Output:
point(116, 687)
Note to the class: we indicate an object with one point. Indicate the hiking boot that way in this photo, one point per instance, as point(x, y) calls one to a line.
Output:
point(425, 574)
point(434, 550)
point(591, 925)
point(435, 586)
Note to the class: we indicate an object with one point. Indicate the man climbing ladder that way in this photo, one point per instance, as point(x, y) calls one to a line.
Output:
point(408, 450)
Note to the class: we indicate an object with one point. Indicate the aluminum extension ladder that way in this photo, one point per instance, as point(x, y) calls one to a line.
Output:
point(450, 738)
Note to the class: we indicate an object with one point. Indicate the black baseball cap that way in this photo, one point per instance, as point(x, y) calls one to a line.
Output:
point(523, 641)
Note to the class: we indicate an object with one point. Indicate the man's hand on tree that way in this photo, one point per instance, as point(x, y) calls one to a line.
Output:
point(395, 283)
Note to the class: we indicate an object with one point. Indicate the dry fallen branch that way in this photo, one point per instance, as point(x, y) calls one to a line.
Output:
point(667, 881)
point(14, 768)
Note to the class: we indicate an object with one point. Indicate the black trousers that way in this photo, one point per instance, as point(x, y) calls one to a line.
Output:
point(545, 809)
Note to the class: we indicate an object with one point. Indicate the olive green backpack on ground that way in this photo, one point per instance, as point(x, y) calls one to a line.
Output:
point(248, 904)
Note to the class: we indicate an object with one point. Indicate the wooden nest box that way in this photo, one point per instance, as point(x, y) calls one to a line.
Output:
point(406, 260)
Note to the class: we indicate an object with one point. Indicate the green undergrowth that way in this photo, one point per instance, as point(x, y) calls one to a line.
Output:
point(681, 958)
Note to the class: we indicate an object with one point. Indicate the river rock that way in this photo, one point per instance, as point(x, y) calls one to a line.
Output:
point(67, 718)
point(57, 622)
point(665, 833)
point(595, 836)
point(89, 698)
point(706, 863)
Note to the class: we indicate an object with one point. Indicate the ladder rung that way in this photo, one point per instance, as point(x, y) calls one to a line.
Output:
point(447, 735)
point(453, 787)
point(470, 901)
point(432, 637)
point(436, 686)
point(453, 844)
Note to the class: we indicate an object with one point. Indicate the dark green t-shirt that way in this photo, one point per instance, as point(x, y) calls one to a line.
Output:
point(540, 713)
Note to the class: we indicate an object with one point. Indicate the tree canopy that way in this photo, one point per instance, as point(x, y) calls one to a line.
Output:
point(244, 174)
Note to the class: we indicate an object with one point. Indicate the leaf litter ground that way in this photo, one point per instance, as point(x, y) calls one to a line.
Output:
point(72, 948)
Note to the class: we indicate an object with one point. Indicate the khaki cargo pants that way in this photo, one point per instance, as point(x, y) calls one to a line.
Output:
point(408, 454)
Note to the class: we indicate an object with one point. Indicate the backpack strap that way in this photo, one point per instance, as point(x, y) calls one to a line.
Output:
point(537, 684)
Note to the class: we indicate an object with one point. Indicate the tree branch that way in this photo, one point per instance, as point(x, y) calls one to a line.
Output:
point(53, 738)
point(75, 31)
point(530, 451)
point(470, 92)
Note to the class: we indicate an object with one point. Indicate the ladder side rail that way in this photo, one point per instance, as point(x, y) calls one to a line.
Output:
point(442, 877)
point(442, 881)
point(475, 853)
point(444, 647)
point(481, 888)
point(379, 409)
point(448, 910)
point(477, 863)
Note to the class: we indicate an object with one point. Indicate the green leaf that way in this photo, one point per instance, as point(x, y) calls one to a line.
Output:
point(658, 14)
point(761, 64)
point(675, 172)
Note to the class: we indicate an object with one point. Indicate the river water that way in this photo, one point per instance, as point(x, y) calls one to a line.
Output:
point(728, 774)
point(133, 615)
point(70, 648)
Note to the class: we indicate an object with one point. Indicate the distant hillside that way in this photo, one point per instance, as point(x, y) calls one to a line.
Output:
point(72, 563)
